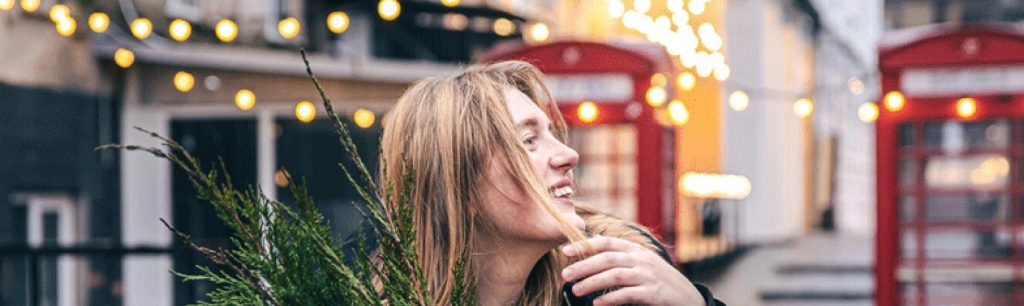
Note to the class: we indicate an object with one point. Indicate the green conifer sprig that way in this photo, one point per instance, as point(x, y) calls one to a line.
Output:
point(282, 254)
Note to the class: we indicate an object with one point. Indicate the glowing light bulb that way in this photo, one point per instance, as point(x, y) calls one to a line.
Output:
point(966, 107)
point(674, 5)
point(686, 81)
point(29, 5)
point(389, 9)
point(658, 79)
point(739, 100)
point(305, 111)
point(696, 7)
point(226, 30)
point(179, 29)
point(6, 5)
point(245, 99)
point(289, 28)
point(59, 11)
point(803, 107)
point(868, 112)
point(856, 86)
point(66, 27)
point(678, 113)
point(141, 28)
point(656, 96)
point(722, 72)
point(894, 101)
point(539, 32)
point(616, 8)
point(124, 57)
point(99, 22)
point(642, 6)
point(338, 22)
point(450, 3)
point(504, 27)
point(587, 112)
point(184, 81)
point(363, 118)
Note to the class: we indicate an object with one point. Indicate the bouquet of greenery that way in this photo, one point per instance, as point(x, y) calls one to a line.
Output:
point(285, 255)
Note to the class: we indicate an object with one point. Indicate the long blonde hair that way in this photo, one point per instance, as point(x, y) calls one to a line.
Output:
point(445, 132)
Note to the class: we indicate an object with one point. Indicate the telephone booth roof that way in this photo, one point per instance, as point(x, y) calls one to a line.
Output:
point(633, 58)
point(943, 45)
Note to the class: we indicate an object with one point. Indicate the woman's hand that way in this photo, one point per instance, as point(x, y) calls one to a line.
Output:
point(643, 277)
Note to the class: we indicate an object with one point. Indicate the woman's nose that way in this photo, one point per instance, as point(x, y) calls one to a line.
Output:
point(565, 158)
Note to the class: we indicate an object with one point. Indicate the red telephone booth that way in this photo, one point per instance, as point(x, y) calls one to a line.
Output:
point(950, 149)
point(626, 158)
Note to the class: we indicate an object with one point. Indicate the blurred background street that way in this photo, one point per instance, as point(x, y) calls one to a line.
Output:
point(791, 152)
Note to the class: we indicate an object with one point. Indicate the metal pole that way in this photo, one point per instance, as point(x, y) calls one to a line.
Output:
point(35, 296)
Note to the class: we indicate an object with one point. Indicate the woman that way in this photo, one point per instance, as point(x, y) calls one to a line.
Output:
point(493, 179)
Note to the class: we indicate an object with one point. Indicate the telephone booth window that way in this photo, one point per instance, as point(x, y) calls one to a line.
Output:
point(606, 173)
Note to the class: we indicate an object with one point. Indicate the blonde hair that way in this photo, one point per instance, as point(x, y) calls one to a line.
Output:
point(445, 132)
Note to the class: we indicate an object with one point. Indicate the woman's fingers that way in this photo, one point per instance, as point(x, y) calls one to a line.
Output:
point(628, 295)
point(614, 277)
point(596, 264)
point(597, 245)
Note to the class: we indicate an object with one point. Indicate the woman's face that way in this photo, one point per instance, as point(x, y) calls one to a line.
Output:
point(508, 207)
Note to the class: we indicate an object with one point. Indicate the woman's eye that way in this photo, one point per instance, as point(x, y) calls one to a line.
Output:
point(529, 141)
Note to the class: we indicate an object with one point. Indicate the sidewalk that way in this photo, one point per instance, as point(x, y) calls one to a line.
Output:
point(818, 269)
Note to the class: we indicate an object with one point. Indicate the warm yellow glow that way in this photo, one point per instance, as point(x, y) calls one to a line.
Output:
point(29, 5)
point(696, 7)
point(708, 37)
point(6, 5)
point(281, 178)
point(124, 57)
point(856, 86)
point(656, 96)
point(245, 99)
point(674, 5)
point(722, 72)
point(183, 81)
point(289, 28)
point(681, 18)
point(504, 27)
point(363, 117)
point(686, 81)
point(226, 30)
point(658, 79)
point(710, 185)
point(141, 28)
point(678, 113)
point(642, 6)
point(616, 8)
point(868, 112)
point(66, 27)
point(338, 22)
point(305, 111)
point(99, 22)
point(389, 9)
point(59, 12)
point(180, 30)
point(803, 107)
point(966, 107)
point(539, 32)
point(739, 100)
point(450, 3)
point(894, 101)
point(455, 21)
point(587, 111)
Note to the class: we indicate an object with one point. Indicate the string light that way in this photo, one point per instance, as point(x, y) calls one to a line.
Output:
point(450, 3)
point(289, 28)
point(245, 99)
point(587, 112)
point(868, 112)
point(674, 6)
point(894, 101)
point(66, 26)
point(363, 118)
point(642, 6)
point(305, 111)
point(184, 81)
point(99, 22)
point(722, 72)
point(124, 57)
point(856, 86)
point(29, 6)
point(696, 7)
point(59, 12)
point(803, 107)
point(658, 79)
point(686, 81)
point(616, 8)
point(226, 30)
point(389, 9)
point(503, 27)
point(141, 28)
point(678, 113)
point(337, 22)
point(656, 96)
point(966, 107)
point(739, 100)
point(538, 32)
point(6, 5)
point(180, 30)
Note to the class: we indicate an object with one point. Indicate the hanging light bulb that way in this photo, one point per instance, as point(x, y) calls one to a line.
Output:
point(868, 112)
point(686, 81)
point(226, 30)
point(66, 27)
point(856, 86)
point(338, 22)
point(124, 58)
point(966, 107)
point(722, 72)
point(99, 22)
point(678, 113)
point(141, 28)
point(587, 112)
point(183, 81)
point(538, 32)
point(29, 6)
point(180, 30)
point(656, 96)
point(696, 7)
point(59, 11)
point(803, 107)
point(245, 99)
point(363, 118)
point(450, 3)
point(674, 5)
point(389, 9)
point(642, 6)
point(616, 8)
point(894, 101)
point(289, 28)
point(6, 5)
point(739, 100)
point(305, 111)
point(504, 27)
